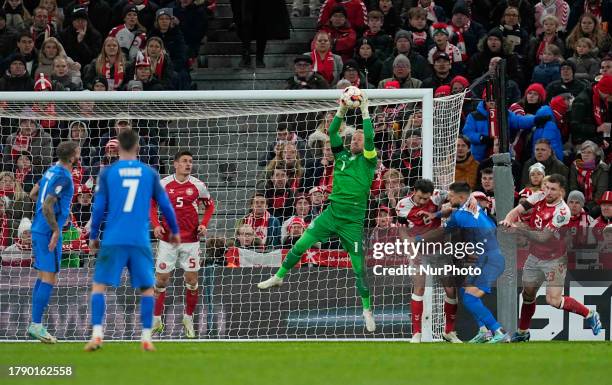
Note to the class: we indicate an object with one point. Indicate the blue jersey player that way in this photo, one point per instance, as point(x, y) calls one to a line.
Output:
point(52, 211)
point(122, 203)
point(473, 225)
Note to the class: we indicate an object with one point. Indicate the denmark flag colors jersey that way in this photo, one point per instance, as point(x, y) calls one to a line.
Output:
point(554, 218)
point(185, 197)
point(408, 213)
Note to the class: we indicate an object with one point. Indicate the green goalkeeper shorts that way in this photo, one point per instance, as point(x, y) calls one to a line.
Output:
point(342, 221)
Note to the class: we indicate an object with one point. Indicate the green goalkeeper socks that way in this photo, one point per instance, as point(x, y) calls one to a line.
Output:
point(365, 301)
point(282, 271)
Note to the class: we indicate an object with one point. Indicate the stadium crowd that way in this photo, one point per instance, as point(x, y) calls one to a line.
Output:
point(559, 64)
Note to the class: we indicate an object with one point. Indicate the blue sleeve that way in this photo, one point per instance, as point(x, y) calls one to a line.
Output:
point(518, 122)
point(451, 223)
point(469, 130)
point(59, 185)
point(161, 197)
point(100, 203)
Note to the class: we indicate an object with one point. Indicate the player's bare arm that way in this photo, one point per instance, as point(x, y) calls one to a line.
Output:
point(49, 214)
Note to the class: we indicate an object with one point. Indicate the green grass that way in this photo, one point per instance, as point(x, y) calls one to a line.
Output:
point(314, 363)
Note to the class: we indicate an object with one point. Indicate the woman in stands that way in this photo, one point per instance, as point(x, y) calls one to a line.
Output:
point(51, 49)
point(110, 64)
point(324, 62)
point(588, 26)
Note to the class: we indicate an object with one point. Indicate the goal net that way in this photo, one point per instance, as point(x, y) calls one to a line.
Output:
point(271, 143)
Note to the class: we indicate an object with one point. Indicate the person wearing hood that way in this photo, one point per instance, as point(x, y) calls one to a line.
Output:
point(304, 77)
point(589, 174)
point(352, 73)
point(20, 252)
point(402, 74)
point(365, 56)
point(466, 167)
point(342, 34)
point(567, 83)
point(82, 41)
point(544, 154)
point(403, 44)
point(16, 77)
point(78, 131)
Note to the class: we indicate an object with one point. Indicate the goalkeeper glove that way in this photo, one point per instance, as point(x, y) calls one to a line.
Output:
point(365, 113)
point(342, 109)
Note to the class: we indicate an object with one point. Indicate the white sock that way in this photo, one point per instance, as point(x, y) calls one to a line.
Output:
point(97, 331)
point(146, 335)
point(187, 316)
point(484, 329)
point(37, 324)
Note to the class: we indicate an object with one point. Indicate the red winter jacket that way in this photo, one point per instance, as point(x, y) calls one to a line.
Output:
point(343, 40)
point(357, 13)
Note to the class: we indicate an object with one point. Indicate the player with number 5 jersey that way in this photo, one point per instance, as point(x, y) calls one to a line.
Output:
point(186, 194)
point(122, 203)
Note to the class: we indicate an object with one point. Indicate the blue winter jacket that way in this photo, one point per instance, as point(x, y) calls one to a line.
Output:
point(546, 73)
point(549, 131)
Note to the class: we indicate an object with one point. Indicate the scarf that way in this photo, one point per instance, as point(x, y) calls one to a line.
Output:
point(9, 192)
point(260, 225)
point(21, 173)
point(419, 37)
point(431, 12)
point(21, 143)
point(460, 43)
point(5, 233)
point(600, 107)
point(325, 66)
point(141, 6)
point(116, 78)
point(158, 67)
point(35, 33)
point(585, 180)
point(543, 43)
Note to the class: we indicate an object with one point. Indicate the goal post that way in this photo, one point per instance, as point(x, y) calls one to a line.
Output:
point(239, 140)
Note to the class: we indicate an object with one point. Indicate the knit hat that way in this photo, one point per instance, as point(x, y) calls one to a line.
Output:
point(338, 9)
point(439, 28)
point(605, 84)
point(539, 89)
point(17, 57)
point(440, 55)
point(402, 33)
point(320, 189)
point(401, 59)
point(461, 8)
point(576, 196)
point(24, 225)
point(496, 32)
point(350, 65)
point(444, 90)
point(129, 8)
point(560, 106)
point(142, 61)
point(163, 11)
point(296, 221)
point(43, 83)
point(460, 79)
point(606, 197)
point(539, 167)
point(302, 59)
point(368, 42)
point(100, 79)
point(112, 144)
point(570, 64)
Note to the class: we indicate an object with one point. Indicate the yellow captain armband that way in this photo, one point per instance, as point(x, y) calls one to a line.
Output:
point(369, 154)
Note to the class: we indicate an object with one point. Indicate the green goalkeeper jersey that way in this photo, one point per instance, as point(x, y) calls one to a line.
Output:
point(353, 174)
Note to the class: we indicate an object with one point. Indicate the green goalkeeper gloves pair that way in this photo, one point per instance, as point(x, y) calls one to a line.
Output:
point(343, 108)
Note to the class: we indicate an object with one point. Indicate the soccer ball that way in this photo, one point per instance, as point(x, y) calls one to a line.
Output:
point(352, 97)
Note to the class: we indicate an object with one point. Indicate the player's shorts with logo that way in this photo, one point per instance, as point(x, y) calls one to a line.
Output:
point(112, 260)
point(491, 265)
point(185, 255)
point(551, 271)
point(45, 260)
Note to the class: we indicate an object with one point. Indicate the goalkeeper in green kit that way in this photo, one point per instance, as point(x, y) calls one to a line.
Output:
point(353, 174)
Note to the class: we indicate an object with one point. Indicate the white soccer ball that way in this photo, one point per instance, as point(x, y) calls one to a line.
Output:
point(352, 97)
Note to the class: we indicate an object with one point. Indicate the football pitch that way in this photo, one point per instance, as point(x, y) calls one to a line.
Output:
point(314, 363)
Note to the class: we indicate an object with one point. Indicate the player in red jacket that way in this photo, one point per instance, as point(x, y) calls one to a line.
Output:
point(186, 193)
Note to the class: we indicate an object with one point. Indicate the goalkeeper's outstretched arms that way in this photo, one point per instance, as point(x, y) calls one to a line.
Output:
point(369, 151)
point(335, 140)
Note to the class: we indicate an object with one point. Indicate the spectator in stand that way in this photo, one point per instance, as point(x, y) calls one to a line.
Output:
point(590, 113)
point(589, 174)
point(401, 74)
point(17, 16)
point(130, 35)
point(295, 228)
point(416, 24)
point(352, 73)
point(144, 74)
point(145, 11)
point(442, 71)
point(549, 131)
point(486, 185)
point(435, 13)
point(134, 85)
point(103, 22)
point(567, 83)
point(391, 17)
point(544, 154)
point(24, 171)
point(283, 135)
point(394, 189)
point(287, 158)
point(5, 226)
point(266, 226)
point(82, 41)
point(148, 148)
point(588, 26)
point(51, 49)
point(317, 196)
point(356, 13)
point(548, 36)
point(325, 63)
point(368, 62)
point(321, 173)
point(319, 137)
point(560, 105)
point(534, 98)
point(403, 42)
point(580, 222)
point(605, 67)
point(513, 92)
point(513, 34)
point(558, 8)
point(379, 40)
point(110, 64)
point(109, 156)
point(16, 78)
point(11, 188)
point(41, 29)
point(466, 167)
point(299, 209)
point(441, 45)
point(537, 172)
point(464, 32)
point(29, 137)
point(81, 209)
point(78, 131)
point(174, 44)
point(343, 36)
point(278, 193)
point(587, 64)
point(260, 21)
point(525, 9)
point(56, 14)
point(493, 45)
point(191, 18)
point(61, 78)
point(304, 77)
point(99, 84)
point(407, 159)
point(247, 239)
point(601, 9)
point(161, 64)
point(548, 69)
point(25, 48)
point(8, 36)
point(20, 252)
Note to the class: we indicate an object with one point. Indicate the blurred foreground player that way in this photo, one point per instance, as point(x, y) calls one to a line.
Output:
point(353, 174)
point(122, 202)
point(547, 262)
point(52, 211)
point(186, 194)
